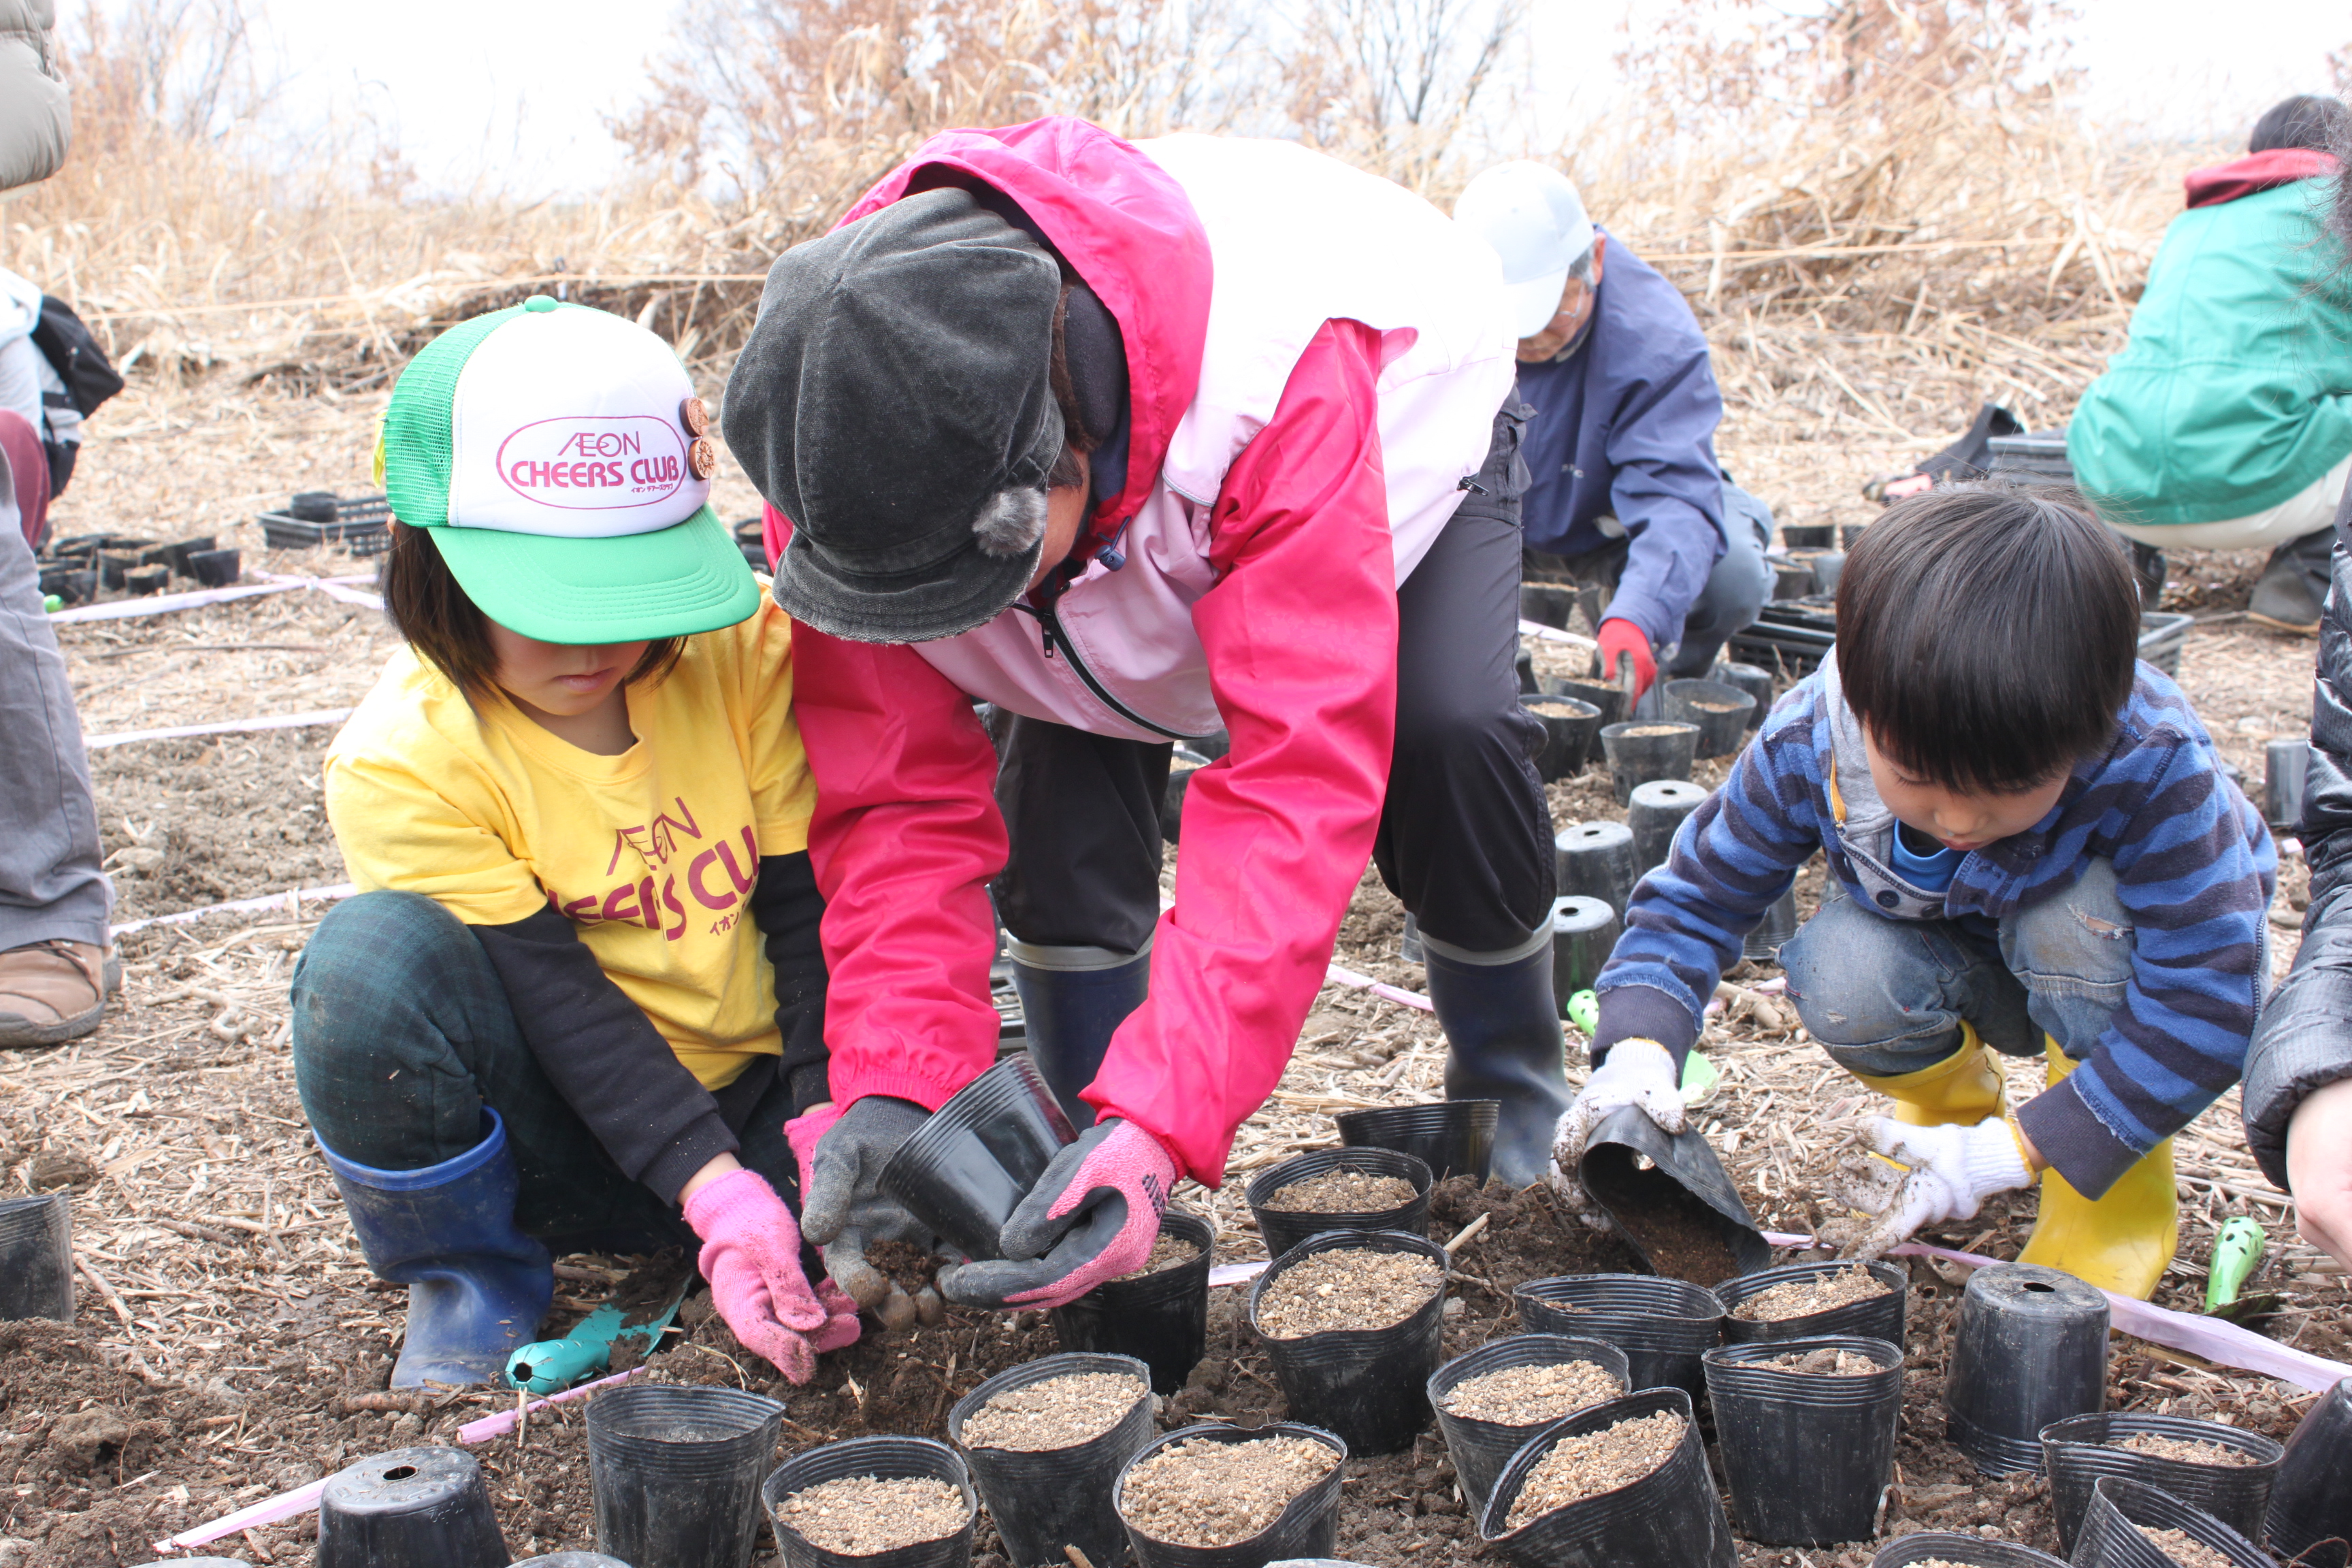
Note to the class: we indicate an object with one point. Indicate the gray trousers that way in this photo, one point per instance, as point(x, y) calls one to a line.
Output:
point(50, 885)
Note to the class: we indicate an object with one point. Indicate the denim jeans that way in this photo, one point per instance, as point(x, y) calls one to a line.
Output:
point(403, 1033)
point(1887, 997)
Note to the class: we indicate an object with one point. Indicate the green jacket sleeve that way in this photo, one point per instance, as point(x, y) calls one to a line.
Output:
point(36, 121)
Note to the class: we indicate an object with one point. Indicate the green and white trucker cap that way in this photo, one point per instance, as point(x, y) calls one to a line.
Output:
point(559, 456)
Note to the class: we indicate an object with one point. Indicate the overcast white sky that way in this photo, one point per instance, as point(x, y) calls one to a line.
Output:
point(512, 90)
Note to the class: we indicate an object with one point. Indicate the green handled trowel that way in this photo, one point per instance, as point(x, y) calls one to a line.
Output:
point(550, 1366)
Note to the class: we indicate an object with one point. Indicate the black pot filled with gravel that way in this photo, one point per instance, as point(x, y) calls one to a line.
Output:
point(1452, 1137)
point(1492, 1400)
point(1158, 1314)
point(1339, 1189)
point(2130, 1524)
point(1804, 1300)
point(2222, 1469)
point(1232, 1497)
point(1664, 1326)
point(872, 1502)
point(1806, 1428)
point(1624, 1484)
point(1354, 1323)
point(1045, 1441)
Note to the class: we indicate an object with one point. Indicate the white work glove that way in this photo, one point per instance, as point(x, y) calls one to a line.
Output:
point(1925, 1175)
point(1638, 1072)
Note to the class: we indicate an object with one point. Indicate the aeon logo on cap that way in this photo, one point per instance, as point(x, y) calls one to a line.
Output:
point(594, 462)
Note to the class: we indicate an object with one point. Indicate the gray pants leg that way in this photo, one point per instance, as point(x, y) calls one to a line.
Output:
point(51, 886)
point(1739, 585)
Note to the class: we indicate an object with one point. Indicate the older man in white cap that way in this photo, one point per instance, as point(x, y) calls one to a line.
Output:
point(1625, 491)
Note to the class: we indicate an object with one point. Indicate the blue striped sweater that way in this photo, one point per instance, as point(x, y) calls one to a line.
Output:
point(2194, 866)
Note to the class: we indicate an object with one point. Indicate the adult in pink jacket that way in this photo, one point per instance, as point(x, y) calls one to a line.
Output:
point(1138, 442)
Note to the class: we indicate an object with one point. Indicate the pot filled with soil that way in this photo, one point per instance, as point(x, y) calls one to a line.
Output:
point(1720, 710)
point(1584, 932)
point(1354, 1323)
point(2029, 1348)
point(412, 1508)
point(2225, 1471)
point(1664, 1326)
point(1595, 860)
point(1452, 1137)
point(1754, 679)
point(1653, 815)
point(2130, 1524)
point(872, 1502)
point(215, 568)
point(1624, 1484)
point(1671, 1201)
point(2311, 1501)
point(36, 1257)
point(1646, 750)
point(1339, 1189)
point(1806, 1428)
point(1547, 603)
point(1610, 699)
point(677, 1473)
point(1802, 1301)
point(1808, 535)
point(1491, 1401)
point(1045, 1442)
point(1947, 1548)
point(1569, 727)
point(968, 1166)
point(1232, 1497)
point(1158, 1314)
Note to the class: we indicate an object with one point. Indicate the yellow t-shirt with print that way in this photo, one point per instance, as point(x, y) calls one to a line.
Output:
point(652, 854)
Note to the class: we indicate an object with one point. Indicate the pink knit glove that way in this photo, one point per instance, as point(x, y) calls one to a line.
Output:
point(751, 1255)
point(1097, 1208)
point(802, 1133)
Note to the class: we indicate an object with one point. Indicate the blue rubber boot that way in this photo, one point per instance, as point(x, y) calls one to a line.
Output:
point(1072, 999)
point(1503, 1042)
point(477, 1286)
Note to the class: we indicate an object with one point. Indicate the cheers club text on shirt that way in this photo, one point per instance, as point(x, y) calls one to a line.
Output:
point(716, 876)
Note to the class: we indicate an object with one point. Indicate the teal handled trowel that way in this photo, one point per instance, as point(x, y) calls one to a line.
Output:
point(550, 1366)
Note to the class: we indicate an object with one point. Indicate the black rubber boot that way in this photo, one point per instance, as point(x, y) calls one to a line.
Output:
point(1072, 1000)
point(2147, 566)
point(2295, 584)
point(1502, 1033)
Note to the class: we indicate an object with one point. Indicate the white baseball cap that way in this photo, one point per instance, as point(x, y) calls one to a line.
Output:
point(559, 456)
point(1536, 222)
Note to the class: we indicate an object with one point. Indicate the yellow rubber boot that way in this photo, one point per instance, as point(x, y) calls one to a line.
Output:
point(2123, 1241)
point(1961, 1091)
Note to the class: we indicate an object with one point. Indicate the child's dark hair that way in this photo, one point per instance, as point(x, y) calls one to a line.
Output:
point(1987, 636)
point(2305, 120)
point(448, 631)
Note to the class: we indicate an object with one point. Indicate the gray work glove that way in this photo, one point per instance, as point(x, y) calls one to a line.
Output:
point(843, 1207)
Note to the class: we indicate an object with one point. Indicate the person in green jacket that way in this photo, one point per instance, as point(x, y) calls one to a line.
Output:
point(2226, 422)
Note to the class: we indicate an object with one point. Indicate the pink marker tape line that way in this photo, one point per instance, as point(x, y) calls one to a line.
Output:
point(1349, 978)
point(303, 1499)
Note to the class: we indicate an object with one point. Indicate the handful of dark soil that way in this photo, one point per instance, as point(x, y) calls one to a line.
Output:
point(1058, 1413)
point(1204, 1493)
point(1828, 1362)
point(1168, 1252)
point(1342, 1190)
point(858, 1516)
point(2189, 1451)
point(1803, 1297)
point(1347, 1288)
point(1597, 1462)
point(2183, 1548)
point(1530, 1395)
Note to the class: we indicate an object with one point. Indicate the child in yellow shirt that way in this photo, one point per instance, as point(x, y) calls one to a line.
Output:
point(581, 985)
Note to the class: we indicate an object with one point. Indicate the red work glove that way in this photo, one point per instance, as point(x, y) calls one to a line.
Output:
point(1097, 1208)
point(1623, 638)
point(751, 1255)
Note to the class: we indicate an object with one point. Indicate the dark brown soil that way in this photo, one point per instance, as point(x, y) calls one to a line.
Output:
point(1167, 1252)
point(1200, 1493)
point(1579, 1468)
point(2188, 1451)
point(1343, 1190)
point(2183, 1548)
point(859, 1516)
point(1529, 1396)
point(1803, 1297)
point(1824, 1362)
point(1345, 1288)
point(1058, 1412)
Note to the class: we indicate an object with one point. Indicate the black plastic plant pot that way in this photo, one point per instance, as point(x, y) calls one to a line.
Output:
point(2311, 1501)
point(2076, 1452)
point(676, 1472)
point(1546, 604)
point(2109, 1536)
point(1670, 1518)
point(1664, 1326)
point(1452, 1137)
point(1161, 1320)
point(2031, 1348)
point(312, 506)
point(1806, 1456)
point(2283, 763)
point(1182, 766)
point(1481, 1448)
point(1595, 860)
point(1369, 1385)
point(560, 1560)
point(1792, 580)
point(1972, 1551)
point(215, 568)
point(1283, 1229)
point(1754, 679)
point(1646, 750)
point(1524, 666)
point(1307, 1526)
point(1569, 726)
point(1583, 934)
point(883, 1459)
point(36, 1258)
point(412, 1508)
point(1047, 1500)
point(175, 554)
point(1828, 567)
point(114, 567)
point(74, 584)
point(1610, 699)
point(1808, 535)
point(966, 1168)
point(1876, 1318)
point(1653, 814)
point(147, 579)
point(1779, 924)
point(1671, 1200)
point(1720, 710)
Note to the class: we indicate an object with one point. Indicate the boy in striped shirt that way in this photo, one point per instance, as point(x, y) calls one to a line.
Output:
point(2032, 850)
